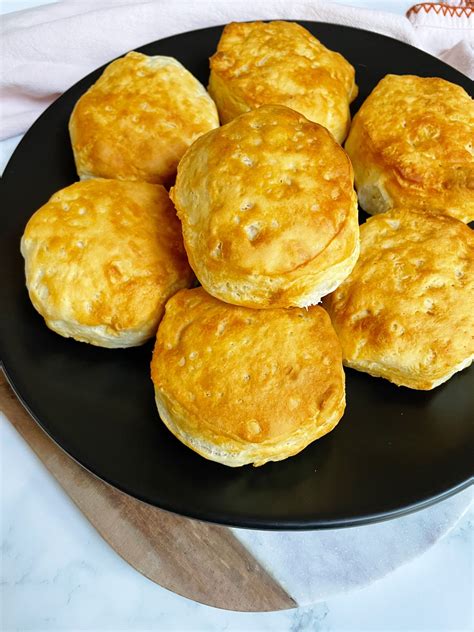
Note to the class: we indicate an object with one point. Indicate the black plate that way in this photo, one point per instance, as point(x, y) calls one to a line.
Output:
point(394, 450)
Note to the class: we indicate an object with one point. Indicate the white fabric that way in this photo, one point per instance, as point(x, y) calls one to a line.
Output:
point(450, 24)
point(47, 49)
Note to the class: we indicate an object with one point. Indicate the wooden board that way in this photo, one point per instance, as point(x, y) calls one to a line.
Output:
point(197, 560)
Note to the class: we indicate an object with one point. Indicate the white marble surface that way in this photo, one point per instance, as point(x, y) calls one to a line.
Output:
point(58, 574)
point(316, 565)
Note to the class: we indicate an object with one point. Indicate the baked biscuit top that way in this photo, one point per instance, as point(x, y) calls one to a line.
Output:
point(266, 193)
point(264, 46)
point(423, 129)
point(249, 375)
point(260, 63)
point(409, 302)
point(104, 252)
point(139, 118)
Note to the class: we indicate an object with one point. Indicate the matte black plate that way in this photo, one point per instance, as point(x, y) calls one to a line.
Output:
point(394, 450)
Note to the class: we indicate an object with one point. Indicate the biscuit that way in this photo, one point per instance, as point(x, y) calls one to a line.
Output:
point(138, 119)
point(411, 144)
point(268, 210)
point(260, 63)
point(242, 386)
point(101, 259)
point(406, 311)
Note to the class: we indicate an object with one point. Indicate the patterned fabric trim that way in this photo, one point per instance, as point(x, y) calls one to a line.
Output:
point(461, 9)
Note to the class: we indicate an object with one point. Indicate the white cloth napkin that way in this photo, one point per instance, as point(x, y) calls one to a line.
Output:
point(47, 49)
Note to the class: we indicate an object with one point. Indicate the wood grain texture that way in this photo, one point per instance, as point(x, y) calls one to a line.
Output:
point(197, 560)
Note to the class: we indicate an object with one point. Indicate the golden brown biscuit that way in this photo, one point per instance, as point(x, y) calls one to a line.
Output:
point(101, 259)
point(259, 63)
point(268, 210)
point(411, 144)
point(138, 119)
point(243, 386)
point(406, 311)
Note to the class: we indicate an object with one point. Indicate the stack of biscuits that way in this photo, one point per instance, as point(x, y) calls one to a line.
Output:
point(262, 212)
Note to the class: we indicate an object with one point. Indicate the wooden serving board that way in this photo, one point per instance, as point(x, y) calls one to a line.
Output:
point(194, 559)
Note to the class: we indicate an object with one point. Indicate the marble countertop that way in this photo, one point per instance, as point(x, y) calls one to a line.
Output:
point(58, 574)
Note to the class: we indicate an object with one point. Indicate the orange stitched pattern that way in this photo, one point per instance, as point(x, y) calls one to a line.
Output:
point(465, 8)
